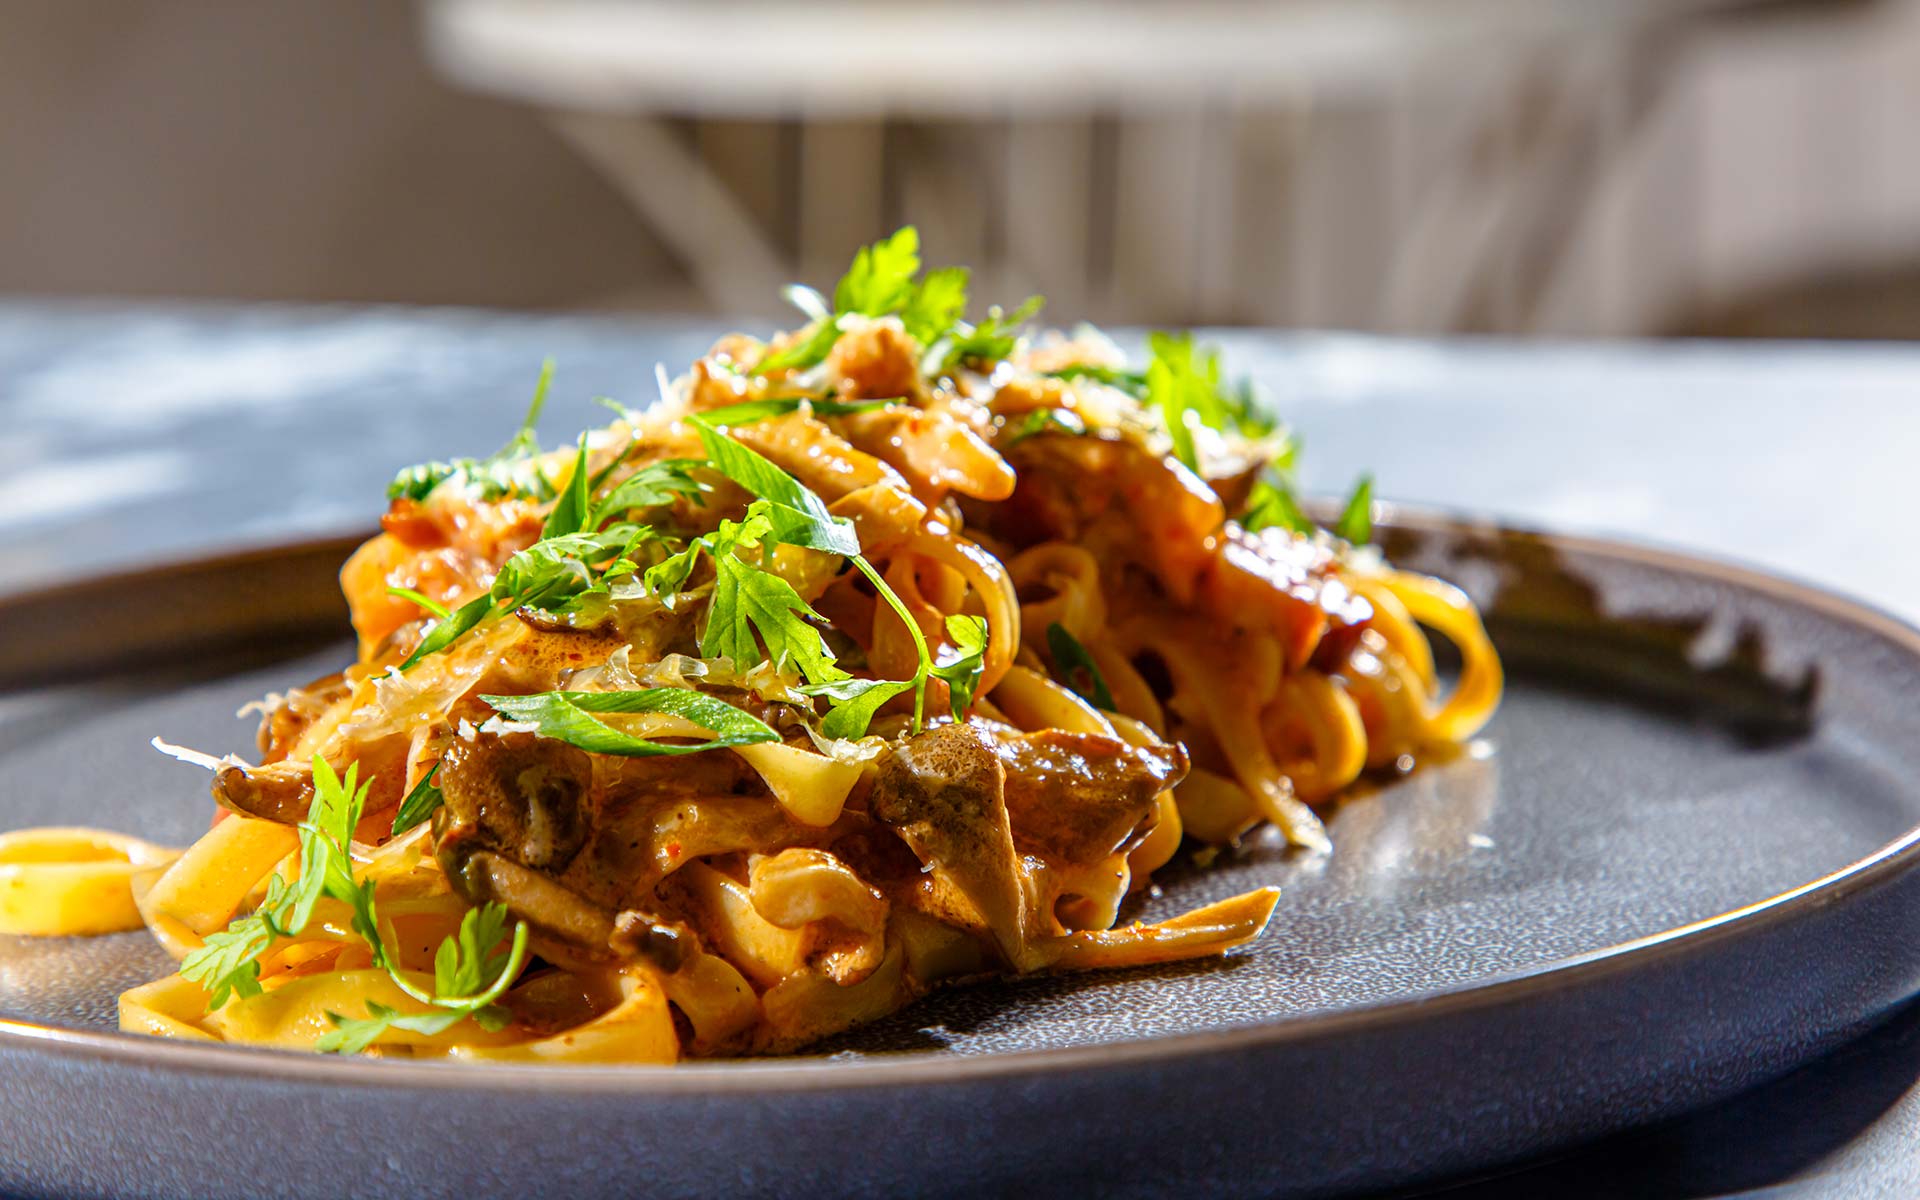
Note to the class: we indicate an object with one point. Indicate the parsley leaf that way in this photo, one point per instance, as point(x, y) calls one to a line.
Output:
point(855, 701)
point(993, 339)
point(743, 593)
point(747, 599)
point(880, 281)
point(962, 672)
point(558, 568)
point(447, 629)
point(420, 803)
point(1044, 420)
point(228, 962)
point(547, 574)
point(748, 411)
point(568, 717)
point(508, 470)
point(465, 962)
point(1272, 503)
point(426, 603)
point(1134, 383)
point(1076, 668)
point(461, 968)
point(1356, 519)
point(667, 578)
point(569, 512)
point(799, 517)
point(936, 305)
point(650, 487)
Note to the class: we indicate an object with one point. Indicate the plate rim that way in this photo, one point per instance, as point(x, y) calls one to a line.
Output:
point(812, 1073)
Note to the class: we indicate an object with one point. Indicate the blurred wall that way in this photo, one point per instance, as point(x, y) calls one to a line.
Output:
point(1750, 173)
point(284, 149)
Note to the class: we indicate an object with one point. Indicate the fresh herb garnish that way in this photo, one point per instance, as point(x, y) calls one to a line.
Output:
point(427, 603)
point(422, 802)
point(798, 517)
point(1272, 503)
point(1043, 420)
point(1178, 383)
point(936, 304)
point(1134, 383)
point(228, 962)
point(470, 971)
point(1356, 519)
point(993, 339)
point(749, 411)
point(881, 283)
point(855, 701)
point(569, 512)
point(747, 599)
point(568, 717)
point(541, 576)
point(550, 574)
point(509, 470)
point(1076, 668)
point(651, 486)
point(449, 628)
point(962, 672)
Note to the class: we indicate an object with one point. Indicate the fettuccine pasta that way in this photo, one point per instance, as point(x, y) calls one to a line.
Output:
point(898, 651)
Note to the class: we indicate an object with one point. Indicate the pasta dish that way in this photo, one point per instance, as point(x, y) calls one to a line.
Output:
point(900, 650)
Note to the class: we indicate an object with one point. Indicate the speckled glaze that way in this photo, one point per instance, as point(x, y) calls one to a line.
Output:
point(1679, 862)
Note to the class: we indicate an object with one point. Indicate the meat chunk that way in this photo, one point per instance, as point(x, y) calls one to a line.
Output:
point(942, 792)
point(1133, 509)
point(1115, 497)
point(1078, 797)
point(569, 840)
point(521, 794)
point(280, 792)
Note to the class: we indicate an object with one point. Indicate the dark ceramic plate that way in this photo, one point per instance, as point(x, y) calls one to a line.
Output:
point(1678, 863)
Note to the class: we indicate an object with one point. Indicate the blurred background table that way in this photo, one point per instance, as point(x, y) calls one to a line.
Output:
point(130, 434)
point(1558, 167)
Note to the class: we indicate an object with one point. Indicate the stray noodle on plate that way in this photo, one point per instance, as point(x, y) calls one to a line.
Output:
point(897, 651)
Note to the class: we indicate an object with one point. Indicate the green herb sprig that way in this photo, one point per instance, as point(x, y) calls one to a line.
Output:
point(568, 717)
point(509, 470)
point(882, 282)
point(1075, 667)
point(228, 963)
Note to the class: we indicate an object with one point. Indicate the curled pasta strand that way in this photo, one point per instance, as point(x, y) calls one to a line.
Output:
point(1032, 701)
point(1238, 730)
point(1315, 705)
point(1442, 607)
point(992, 587)
point(1396, 625)
point(1072, 577)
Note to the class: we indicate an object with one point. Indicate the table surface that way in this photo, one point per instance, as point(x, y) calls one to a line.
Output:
point(134, 434)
